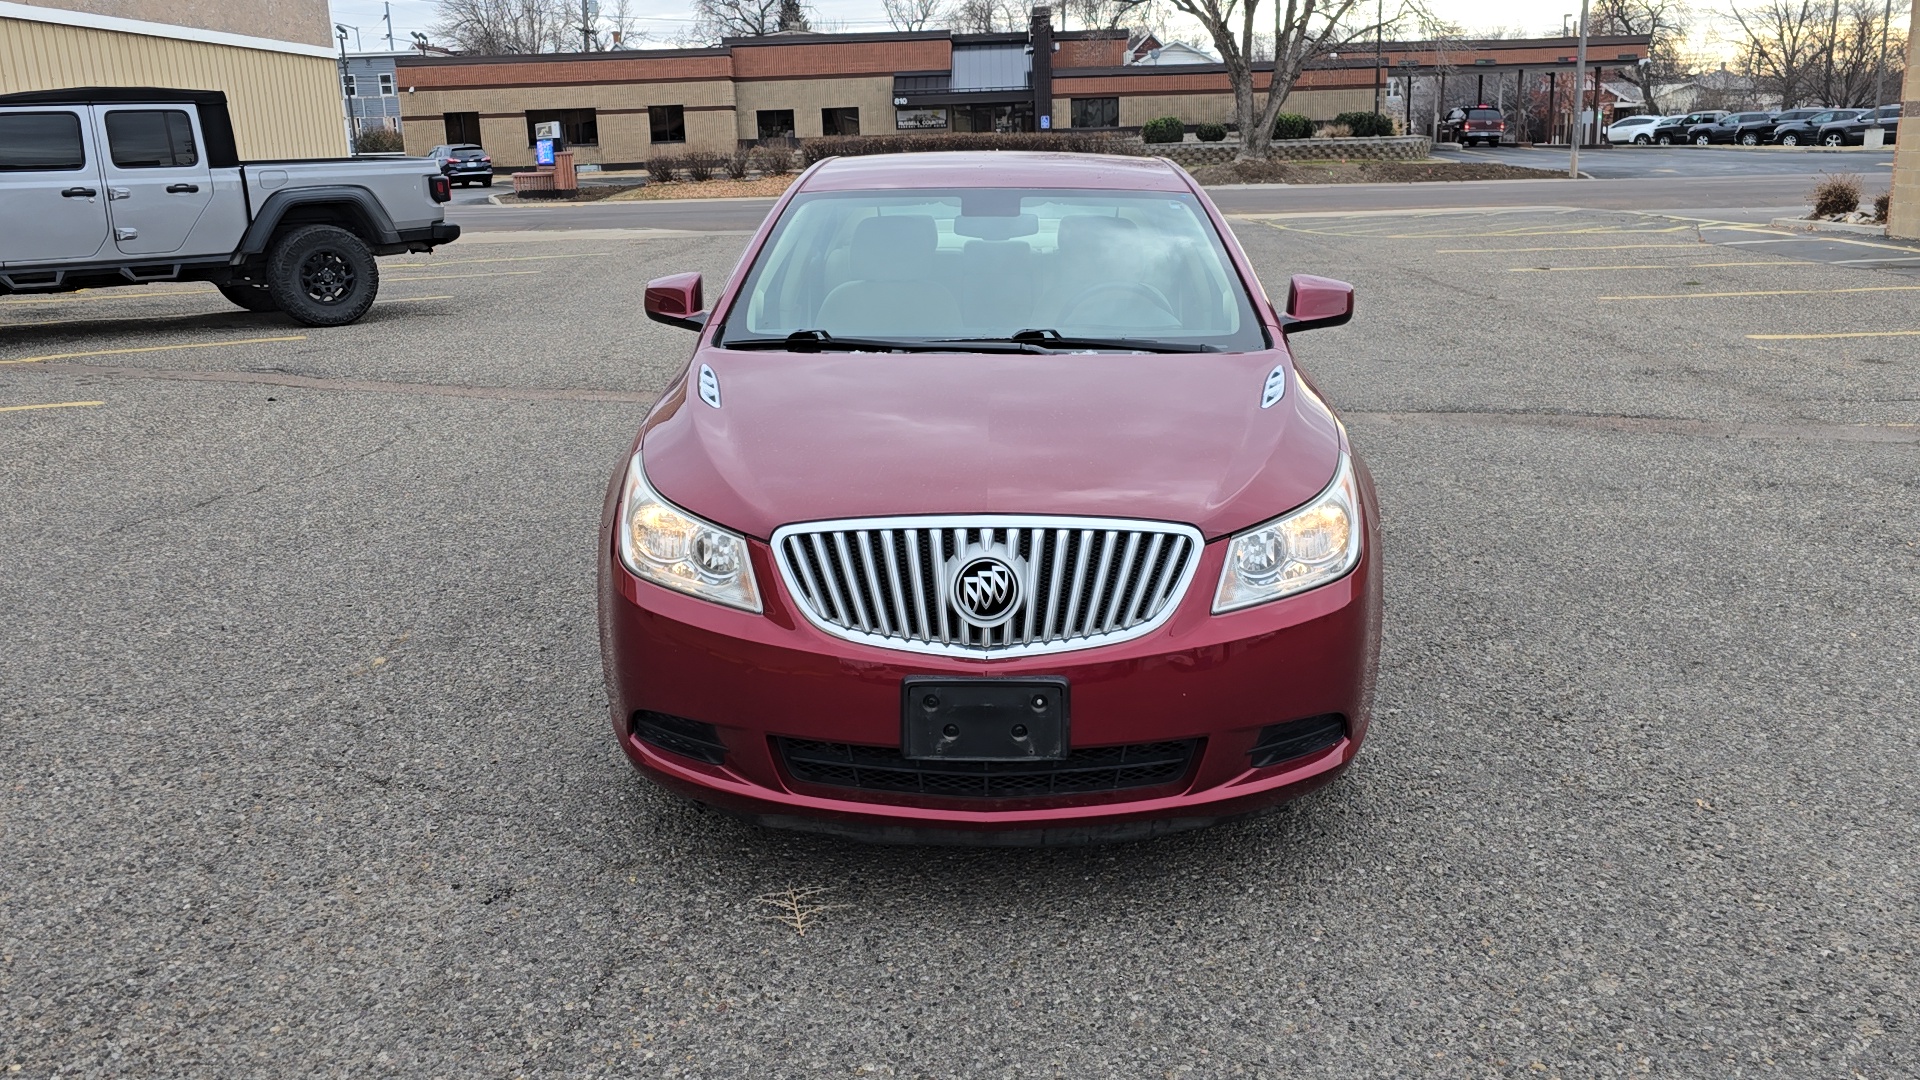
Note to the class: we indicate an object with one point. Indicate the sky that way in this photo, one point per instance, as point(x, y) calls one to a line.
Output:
point(662, 19)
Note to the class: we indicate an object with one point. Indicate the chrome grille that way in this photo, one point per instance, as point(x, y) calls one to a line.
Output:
point(1081, 582)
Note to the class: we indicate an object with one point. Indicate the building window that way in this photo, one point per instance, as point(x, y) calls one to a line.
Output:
point(839, 121)
point(1096, 112)
point(386, 86)
point(668, 123)
point(463, 127)
point(578, 127)
point(350, 84)
point(776, 123)
point(920, 119)
point(41, 142)
point(150, 139)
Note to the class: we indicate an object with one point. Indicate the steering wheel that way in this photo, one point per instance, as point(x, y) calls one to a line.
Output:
point(1132, 288)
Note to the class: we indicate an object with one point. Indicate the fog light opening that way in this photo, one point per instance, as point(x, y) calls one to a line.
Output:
point(1297, 738)
point(678, 735)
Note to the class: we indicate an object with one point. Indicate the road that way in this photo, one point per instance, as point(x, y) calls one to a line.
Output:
point(1695, 180)
point(309, 771)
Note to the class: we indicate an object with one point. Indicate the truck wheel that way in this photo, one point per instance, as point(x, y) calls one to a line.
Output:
point(322, 275)
point(251, 297)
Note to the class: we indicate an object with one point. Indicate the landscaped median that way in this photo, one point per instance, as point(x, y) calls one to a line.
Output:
point(757, 173)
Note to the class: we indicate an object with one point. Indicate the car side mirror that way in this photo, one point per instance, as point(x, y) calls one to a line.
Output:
point(676, 301)
point(1315, 302)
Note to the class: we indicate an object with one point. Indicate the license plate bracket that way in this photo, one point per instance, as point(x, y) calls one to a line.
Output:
point(944, 718)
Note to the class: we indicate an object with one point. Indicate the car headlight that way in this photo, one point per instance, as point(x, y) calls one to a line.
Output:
point(1306, 549)
point(667, 546)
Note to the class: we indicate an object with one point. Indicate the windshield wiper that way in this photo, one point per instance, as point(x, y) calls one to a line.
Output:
point(821, 341)
point(1054, 342)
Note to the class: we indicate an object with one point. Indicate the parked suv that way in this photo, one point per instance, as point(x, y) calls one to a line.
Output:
point(1633, 129)
point(128, 185)
point(1674, 129)
point(1478, 123)
point(1747, 128)
point(1853, 131)
point(464, 163)
point(1805, 130)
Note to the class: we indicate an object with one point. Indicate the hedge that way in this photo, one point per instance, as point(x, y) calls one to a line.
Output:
point(1211, 132)
point(1292, 126)
point(1063, 142)
point(1365, 125)
point(1166, 129)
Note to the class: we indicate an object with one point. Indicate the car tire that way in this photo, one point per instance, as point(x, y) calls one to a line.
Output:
point(322, 275)
point(1641, 140)
point(251, 297)
point(1749, 139)
point(1789, 139)
point(1665, 140)
point(1703, 140)
point(488, 182)
point(1835, 139)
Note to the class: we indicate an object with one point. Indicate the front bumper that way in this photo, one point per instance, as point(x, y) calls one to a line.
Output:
point(1219, 680)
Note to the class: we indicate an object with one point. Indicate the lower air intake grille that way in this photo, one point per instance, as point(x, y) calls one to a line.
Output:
point(1297, 738)
point(678, 735)
point(881, 768)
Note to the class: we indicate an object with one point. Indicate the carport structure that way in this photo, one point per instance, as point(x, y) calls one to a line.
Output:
point(1550, 109)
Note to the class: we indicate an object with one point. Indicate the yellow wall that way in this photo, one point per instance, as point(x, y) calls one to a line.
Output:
point(282, 20)
point(284, 105)
point(1904, 220)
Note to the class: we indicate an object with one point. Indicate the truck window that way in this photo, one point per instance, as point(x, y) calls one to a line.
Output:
point(151, 139)
point(41, 142)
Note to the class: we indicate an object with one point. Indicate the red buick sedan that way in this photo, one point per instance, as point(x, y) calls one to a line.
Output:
point(991, 507)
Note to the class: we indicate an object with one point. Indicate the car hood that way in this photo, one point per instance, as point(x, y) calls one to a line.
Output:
point(1159, 437)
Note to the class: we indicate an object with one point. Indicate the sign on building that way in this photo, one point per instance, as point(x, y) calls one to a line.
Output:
point(919, 119)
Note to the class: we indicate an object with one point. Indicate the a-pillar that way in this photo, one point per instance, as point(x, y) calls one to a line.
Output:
point(1904, 218)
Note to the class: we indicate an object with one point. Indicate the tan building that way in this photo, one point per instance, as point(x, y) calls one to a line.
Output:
point(271, 57)
point(1904, 218)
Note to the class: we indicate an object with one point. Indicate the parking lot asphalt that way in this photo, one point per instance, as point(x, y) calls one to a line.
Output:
point(1688, 162)
point(309, 770)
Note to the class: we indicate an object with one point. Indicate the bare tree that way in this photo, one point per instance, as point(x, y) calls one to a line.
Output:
point(986, 17)
point(717, 19)
point(1782, 44)
point(1855, 35)
point(1665, 21)
point(906, 15)
point(1110, 14)
point(499, 27)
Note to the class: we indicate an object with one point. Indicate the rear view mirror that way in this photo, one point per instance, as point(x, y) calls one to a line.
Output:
point(1314, 302)
point(997, 228)
point(676, 301)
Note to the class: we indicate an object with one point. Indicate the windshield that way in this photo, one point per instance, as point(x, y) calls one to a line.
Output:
point(1106, 268)
point(469, 152)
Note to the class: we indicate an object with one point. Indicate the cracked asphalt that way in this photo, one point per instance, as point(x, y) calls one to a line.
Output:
point(308, 771)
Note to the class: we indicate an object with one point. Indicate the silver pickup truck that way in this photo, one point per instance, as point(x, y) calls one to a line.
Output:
point(129, 185)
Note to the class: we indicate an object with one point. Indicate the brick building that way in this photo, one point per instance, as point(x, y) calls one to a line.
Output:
point(620, 108)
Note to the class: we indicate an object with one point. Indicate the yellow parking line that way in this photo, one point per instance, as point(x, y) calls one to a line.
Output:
point(1650, 266)
point(1766, 292)
point(451, 277)
point(468, 262)
point(201, 314)
point(1823, 337)
point(153, 348)
point(54, 405)
point(1562, 247)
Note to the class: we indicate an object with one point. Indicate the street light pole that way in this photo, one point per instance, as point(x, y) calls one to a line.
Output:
point(1580, 87)
point(346, 106)
point(1379, 41)
point(1880, 61)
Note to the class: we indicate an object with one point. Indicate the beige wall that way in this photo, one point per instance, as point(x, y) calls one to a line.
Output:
point(873, 96)
point(1904, 220)
point(305, 21)
point(621, 108)
point(1217, 108)
point(284, 105)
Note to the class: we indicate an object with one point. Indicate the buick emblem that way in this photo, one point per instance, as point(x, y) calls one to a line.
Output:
point(986, 590)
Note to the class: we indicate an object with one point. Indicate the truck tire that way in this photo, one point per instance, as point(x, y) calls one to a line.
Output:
point(322, 275)
point(251, 297)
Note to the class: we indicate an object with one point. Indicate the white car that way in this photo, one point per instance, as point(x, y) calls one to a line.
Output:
point(1633, 129)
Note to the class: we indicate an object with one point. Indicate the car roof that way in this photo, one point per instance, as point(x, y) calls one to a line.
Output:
point(994, 168)
point(116, 95)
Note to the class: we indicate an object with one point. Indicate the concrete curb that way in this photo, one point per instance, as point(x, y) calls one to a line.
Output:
point(1806, 225)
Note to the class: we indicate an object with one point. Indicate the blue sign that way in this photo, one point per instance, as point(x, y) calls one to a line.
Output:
point(1046, 122)
point(543, 152)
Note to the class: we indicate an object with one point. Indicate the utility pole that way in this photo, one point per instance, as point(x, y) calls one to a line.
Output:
point(1833, 31)
point(1580, 88)
point(346, 106)
point(1880, 62)
point(589, 10)
point(1379, 42)
point(389, 17)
